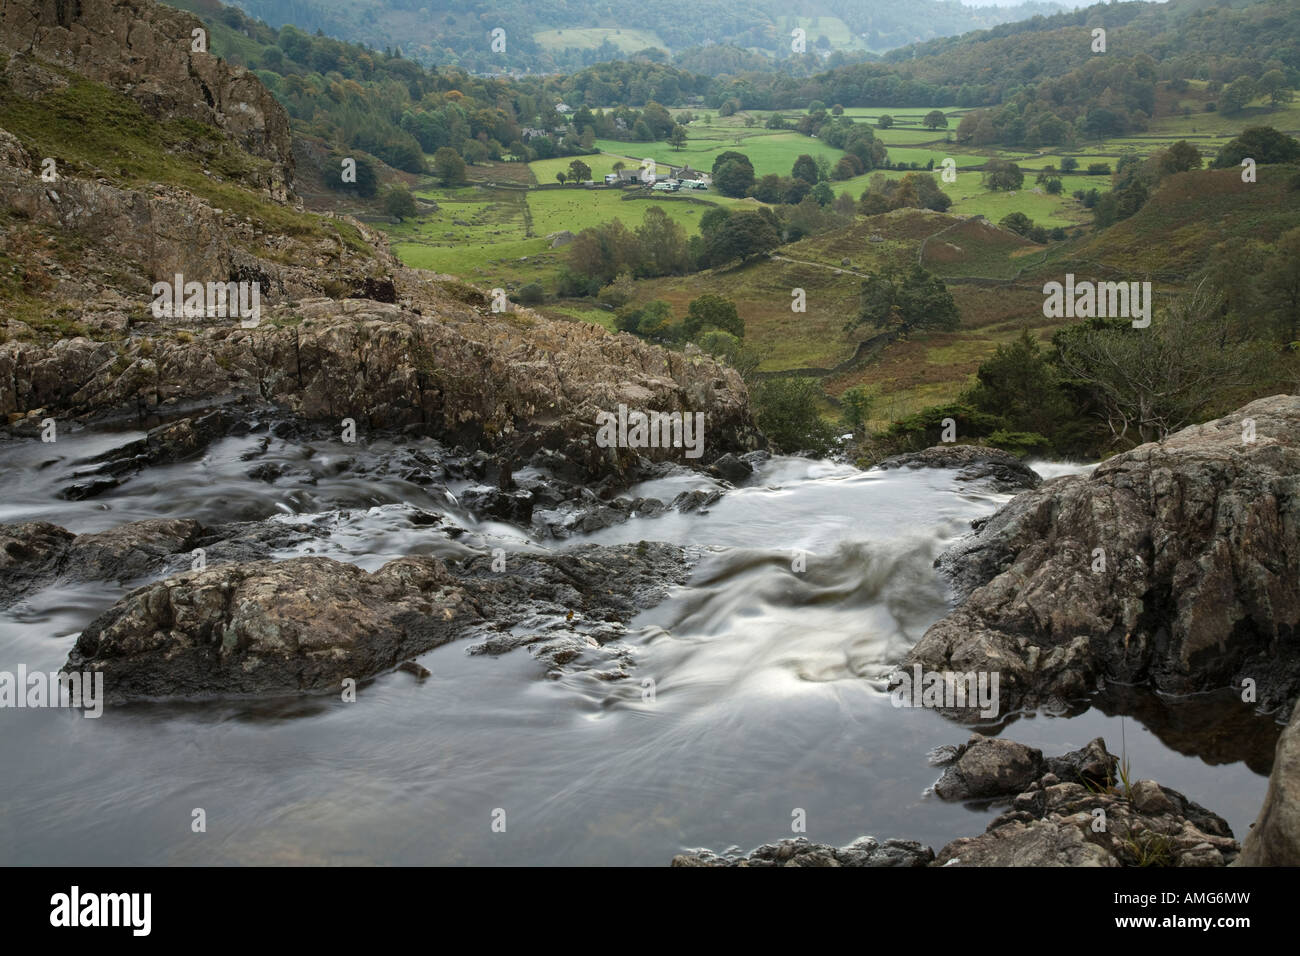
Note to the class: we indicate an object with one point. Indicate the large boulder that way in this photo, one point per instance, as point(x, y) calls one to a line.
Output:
point(270, 627)
point(306, 624)
point(1176, 564)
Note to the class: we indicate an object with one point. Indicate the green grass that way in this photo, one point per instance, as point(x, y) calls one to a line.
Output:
point(97, 132)
point(770, 151)
point(833, 28)
point(577, 209)
point(580, 313)
point(544, 170)
point(590, 38)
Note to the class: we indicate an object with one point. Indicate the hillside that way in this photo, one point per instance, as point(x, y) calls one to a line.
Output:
point(344, 330)
point(555, 35)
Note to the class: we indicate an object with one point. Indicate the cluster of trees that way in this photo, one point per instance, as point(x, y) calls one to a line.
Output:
point(1103, 385)
point(1039, 83)
point(1022, 225)
point(361, 100)
point(914, 190)
point(906, 301)
point(705, 316)
point(598, 254)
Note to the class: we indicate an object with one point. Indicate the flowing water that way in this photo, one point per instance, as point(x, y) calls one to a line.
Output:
point(767, 690)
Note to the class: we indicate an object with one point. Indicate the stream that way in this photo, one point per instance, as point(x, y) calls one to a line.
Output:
point(768, 689)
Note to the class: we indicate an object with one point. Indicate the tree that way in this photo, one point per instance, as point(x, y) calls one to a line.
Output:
point(1069, 164)
point(735, 352)
point(907, 302)
point(619, 292)
point(740, 236)
point(857, 402)
point(561, 177)
point(885, 121)
point(1273, 85)
point(1263, 144)
point(367, 183)
point(734, 178)
point(1281, 285)
point(1019, 384)
point(823, 194)
point(1017, 222)
point(805, 168)
point(677, 138)
point(449, 166)
point(399, 203)
point(787, 412)
point(935, 120)
point(662, 245)
point(579, 171)
point(602, 252)
point(1237, 94)
point(711, 311)
point(1178, 158)
point(727, 156)
point(530, 294)
point(1148, 383)
point(1002, 174)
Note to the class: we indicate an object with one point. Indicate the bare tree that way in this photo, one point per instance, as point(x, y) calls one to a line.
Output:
point(1151, 382)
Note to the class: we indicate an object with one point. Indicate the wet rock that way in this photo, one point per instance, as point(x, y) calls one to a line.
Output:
point(1038, 843)
point(1200, 585)
point(1075, 815)
point(1274, 840)
point(165, 444)
point(268, 472)
point(698, 500)
point(29, 554)
point(305, 624)
point(36, 554)
point(990, 767)
point(571, 606)
point(130, 551)
point(513, 506)
point(1003, 470)
point(730, 468)
point(864, 851)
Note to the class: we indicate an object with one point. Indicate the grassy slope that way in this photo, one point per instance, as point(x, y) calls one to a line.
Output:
point(95, 132)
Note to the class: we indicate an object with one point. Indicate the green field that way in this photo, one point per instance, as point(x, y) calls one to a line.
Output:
point(589, 38)
point(770, 151)
point(833, 28)
point(497, 237)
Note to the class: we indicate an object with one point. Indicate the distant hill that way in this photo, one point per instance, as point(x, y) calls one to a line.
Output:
point(561, 35)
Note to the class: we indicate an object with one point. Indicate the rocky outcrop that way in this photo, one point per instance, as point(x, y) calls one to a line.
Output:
point(1055, 823)
point(1072, 810)
point(991, 767)
point(306, 624)
point(1274, 839)
point(514, 383)
point(1174, 564)
point(1003, 470)
point(147, 50)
